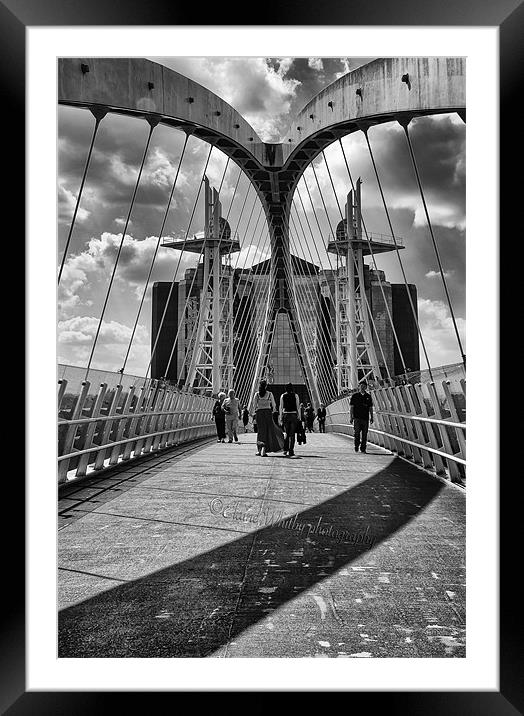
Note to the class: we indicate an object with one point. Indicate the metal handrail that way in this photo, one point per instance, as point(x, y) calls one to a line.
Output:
point(166, 417)
point(434, 421)
point(108, 446)
point(440, 446)
point(118, 416)
point(455, 458)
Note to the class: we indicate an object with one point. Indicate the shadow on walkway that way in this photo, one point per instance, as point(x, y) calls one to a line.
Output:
point(194, 607)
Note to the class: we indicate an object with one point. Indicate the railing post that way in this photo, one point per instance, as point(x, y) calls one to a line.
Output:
point(171, 435)
point(108, 426)
point(459, 433)
point(91, 428)
point(121, 422)
point(61, 392)
point(191, 418)
point(427, 462)
point(142, 426)
point(393, 422)
point(413, 434)
point(160, 440)
point(399, 423)
point(453, 470)
point(179, 418)
point(440, 467)
point(154, 421)
point(380, 418)
point(198, 417)
point(63, 465)
point(144, 398)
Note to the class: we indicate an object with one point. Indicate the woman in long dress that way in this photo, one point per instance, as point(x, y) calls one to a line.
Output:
point(270, 437)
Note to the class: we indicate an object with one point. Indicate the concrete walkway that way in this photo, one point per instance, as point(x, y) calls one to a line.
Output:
point(216, 552)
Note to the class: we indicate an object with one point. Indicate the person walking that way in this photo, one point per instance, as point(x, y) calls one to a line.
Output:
point(301, 427)
point(310, 417)
point(289, 411)
point(245, 418)
point(360, 415)
point(321, 417)
point(269, 436)
point(220, 418)
point(302, 416)
point(231, 408)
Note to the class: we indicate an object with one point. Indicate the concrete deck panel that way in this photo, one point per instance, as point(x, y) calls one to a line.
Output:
point(182, 556)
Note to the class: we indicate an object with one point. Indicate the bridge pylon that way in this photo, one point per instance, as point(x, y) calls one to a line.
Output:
point(356, 357)
point(210, 343)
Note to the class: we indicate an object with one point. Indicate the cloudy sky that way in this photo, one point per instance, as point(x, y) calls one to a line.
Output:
point(267, 92)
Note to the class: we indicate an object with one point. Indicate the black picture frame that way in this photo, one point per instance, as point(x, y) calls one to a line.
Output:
point(508, 15)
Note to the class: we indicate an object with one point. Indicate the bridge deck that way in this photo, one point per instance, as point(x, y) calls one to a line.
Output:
point(181, 556)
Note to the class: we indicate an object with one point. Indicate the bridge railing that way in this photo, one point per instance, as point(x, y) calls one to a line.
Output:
point(425, 423)
point(103, 424)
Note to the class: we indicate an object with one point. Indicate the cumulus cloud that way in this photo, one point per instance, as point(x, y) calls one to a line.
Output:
point(351, 63)
point(259, 89)
point(440, 150)
point(316, 63)
point(437, 330)
point(76, 336)
point(89, 271)
point(251, 255)
point(439, 147)
point(66, 206)
point(436, 274)
point(81, 330)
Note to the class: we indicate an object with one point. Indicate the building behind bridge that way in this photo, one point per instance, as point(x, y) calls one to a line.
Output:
point(318, 318)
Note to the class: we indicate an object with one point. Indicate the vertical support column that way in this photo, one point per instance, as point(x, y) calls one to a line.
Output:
point(229, 328)
point(350, 297)
point(338, 356)
point(365, 317)
point(217, 362)
point(198, 350)
point(216, 337)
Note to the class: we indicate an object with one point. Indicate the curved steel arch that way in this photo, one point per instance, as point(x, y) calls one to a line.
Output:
point(377, 92)
point(381, 91)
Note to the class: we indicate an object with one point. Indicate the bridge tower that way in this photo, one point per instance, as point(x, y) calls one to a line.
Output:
point(210, 340)
point(356, 357)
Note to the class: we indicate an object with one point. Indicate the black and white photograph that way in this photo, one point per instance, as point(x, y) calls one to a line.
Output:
point(252, 237)
point(261, 357)
point(251, 253)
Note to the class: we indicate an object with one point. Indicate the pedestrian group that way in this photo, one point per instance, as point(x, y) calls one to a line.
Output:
point(280, 428)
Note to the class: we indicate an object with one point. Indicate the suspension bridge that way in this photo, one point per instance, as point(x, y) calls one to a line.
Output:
point(172, 545)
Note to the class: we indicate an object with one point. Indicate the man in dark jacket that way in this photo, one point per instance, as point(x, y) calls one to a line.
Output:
point(360, 415)
point(245, 417)
point(321, 417)
point(310, 417)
